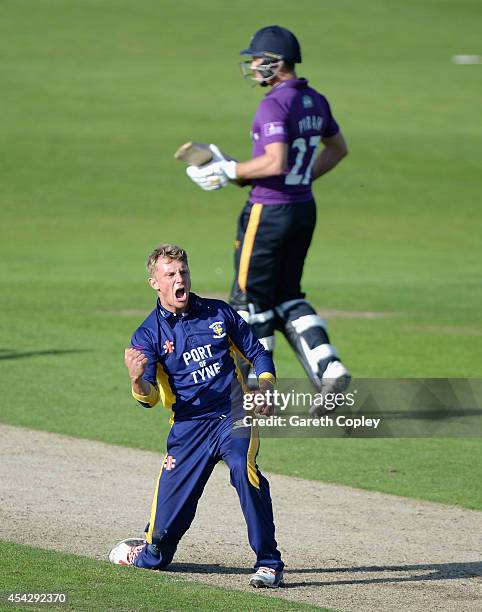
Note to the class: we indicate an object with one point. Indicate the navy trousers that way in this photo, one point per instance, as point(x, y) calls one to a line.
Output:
point(272, 242)
point(193, 449)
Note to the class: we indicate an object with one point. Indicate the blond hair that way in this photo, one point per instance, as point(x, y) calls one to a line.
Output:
point(169, 251)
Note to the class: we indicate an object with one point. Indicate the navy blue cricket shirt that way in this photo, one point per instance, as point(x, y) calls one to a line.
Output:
point(192, 364)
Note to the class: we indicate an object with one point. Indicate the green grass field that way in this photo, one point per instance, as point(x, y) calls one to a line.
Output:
point(94, 585)
point(96, 96)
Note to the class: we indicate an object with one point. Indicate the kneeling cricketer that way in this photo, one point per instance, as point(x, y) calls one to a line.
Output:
point(184, 353)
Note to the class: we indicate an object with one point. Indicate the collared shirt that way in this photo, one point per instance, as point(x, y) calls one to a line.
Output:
point(294, 113)
point(191, 358)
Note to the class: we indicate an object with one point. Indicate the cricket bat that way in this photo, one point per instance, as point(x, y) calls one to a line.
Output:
point(194, 153)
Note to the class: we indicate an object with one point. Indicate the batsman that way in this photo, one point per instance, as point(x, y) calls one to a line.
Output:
point(296, 140)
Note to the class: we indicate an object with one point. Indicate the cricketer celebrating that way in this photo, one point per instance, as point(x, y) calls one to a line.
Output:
point(276, 225)
point(183, 354)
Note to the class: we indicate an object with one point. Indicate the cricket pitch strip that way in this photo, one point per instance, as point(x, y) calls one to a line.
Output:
point(344, 548)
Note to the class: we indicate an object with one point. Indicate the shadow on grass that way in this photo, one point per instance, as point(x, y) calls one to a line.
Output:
point(433, 571)
point(12, 354)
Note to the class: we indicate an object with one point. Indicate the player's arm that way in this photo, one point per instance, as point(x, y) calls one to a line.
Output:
point(334, 151)
point(136, 363)
point(272, 163)
point(250, 348)
point(273, 141)
point(274, 144)
point(141, 365)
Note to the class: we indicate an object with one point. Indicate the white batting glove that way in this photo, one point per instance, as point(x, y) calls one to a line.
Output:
point(217, 155)
point(227, 164)
point(208, 177)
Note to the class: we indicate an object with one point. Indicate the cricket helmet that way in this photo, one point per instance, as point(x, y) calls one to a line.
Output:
point(275, 41)
point(274, 45)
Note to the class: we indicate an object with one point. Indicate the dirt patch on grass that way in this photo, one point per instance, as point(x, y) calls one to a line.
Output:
point(344, 548)
point(334, 313)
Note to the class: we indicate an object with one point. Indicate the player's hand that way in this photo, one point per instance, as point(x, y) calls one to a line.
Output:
point(230, 166)
point(217, 155)
point(208, 177)
point(136, 362)
point(226, 163)
point(263, 406)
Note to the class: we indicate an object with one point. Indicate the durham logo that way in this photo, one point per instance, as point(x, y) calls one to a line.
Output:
point(218, 330)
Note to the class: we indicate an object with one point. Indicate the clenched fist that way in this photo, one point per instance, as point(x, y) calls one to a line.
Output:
point(263, 406)
point(136, 362)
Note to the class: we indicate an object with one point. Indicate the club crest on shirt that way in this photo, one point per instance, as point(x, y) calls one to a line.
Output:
point(169, 463)
point(218, 330)
point(169, 346)
point(307, 102)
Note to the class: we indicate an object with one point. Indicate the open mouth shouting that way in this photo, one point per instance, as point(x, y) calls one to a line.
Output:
point(181, 295)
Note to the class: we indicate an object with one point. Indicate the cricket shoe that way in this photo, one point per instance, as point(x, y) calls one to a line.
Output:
point(127, 551)
point(266, 577)
point(335, 379)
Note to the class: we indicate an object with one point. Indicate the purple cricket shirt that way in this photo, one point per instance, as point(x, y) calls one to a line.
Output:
point(296, 114)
